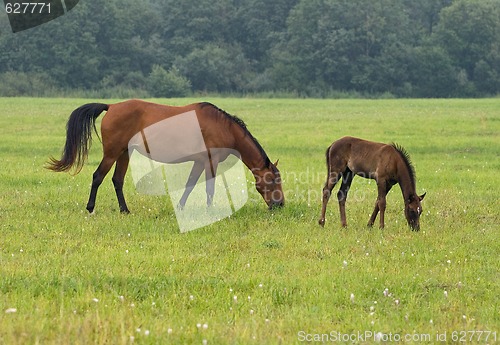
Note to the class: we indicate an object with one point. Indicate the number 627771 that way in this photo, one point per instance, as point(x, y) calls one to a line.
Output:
point(27, 8)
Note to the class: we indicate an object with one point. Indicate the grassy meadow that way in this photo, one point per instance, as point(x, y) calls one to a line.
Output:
point(259, 276)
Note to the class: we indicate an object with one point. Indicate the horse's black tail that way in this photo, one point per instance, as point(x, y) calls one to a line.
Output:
point(78, 137)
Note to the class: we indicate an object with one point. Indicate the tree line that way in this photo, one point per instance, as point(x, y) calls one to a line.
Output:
point(309, 48)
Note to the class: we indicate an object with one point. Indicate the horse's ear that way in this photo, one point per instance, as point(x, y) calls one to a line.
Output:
point(276, 163)
point(421, 197)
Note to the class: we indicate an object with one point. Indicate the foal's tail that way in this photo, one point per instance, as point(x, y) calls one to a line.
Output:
point(78, 137)
point(328, 158)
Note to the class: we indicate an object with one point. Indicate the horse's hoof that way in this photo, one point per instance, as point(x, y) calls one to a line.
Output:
point(321, 222)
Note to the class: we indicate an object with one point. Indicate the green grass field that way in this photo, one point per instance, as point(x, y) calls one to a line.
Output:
point(258, 277)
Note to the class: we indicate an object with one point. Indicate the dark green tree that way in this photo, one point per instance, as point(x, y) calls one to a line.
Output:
point(427, 48)
point(215, 68)
point(469, 31)
point(424, 15)
point(171, 83)
point(346, 45)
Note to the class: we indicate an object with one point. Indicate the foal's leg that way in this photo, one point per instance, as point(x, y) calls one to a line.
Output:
point(374, 214)
point(380, 204)
point(118, 179)
point(97, 178)
point(330, 183)
point(347, 177)
point(194, 176)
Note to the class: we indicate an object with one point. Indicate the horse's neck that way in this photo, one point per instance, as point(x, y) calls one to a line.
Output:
point(405, 181)
point(250, 153)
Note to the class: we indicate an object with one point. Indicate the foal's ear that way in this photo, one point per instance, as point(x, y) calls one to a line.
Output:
point(421, 197)
point(276, 163)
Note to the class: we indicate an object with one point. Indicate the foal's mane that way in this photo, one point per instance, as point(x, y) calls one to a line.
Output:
point(243, 126)
point(407, 160)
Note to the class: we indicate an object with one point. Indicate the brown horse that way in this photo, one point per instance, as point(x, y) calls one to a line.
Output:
point(126, 119)
point(386, 164)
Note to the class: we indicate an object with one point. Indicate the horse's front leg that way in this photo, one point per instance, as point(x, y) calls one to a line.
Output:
point(380, 204)
point(210, 174)
point(194, 175)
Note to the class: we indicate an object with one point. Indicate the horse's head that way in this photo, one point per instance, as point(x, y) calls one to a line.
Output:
point(413, 210)
point(268, 184)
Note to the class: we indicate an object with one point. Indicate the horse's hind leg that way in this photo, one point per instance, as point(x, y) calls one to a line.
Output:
point(118, 179)
point(331, 181)
point(374, 214)
point(347, 177)
point(97, 178)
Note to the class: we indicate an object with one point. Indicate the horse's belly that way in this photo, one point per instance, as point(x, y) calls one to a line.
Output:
point(363, 170)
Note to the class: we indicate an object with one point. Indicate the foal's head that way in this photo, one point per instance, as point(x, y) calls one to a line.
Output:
point(268, 184)
point(413, 210)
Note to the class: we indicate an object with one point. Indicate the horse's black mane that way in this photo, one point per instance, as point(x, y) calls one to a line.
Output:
point(406, 158)
point(243, 126)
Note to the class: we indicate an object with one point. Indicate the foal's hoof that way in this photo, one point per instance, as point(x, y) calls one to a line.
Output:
point(180, 207)
point(321, 222)
point(126, 211)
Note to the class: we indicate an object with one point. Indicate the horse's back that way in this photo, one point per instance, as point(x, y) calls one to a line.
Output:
point(339, 152)
point(357, 146)
point(135, 114)
point(351, 145)
point(125, 119)
point(148, 112)
point(359, 155)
